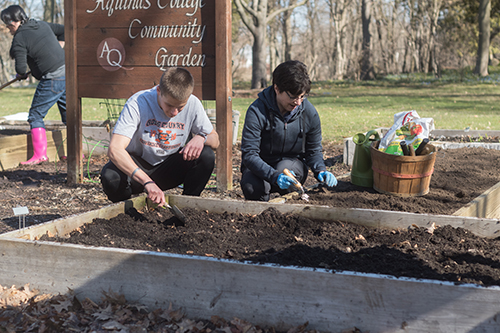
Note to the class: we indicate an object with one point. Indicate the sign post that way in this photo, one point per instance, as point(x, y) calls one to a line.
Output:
point(223, 108)
point(117, 48)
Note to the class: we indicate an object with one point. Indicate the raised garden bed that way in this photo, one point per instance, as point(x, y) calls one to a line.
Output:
point(16, 146)
point(263, 294)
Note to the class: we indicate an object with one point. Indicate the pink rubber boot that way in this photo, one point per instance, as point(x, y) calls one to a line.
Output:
point(39, 139)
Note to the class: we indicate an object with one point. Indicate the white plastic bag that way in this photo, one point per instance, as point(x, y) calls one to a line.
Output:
point(408, 127)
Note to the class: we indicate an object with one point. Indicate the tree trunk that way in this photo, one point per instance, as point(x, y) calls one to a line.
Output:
point(286, 22)
point(433, 59)
point(311, 53)
point(483, 49)
point(338, 17)
point(366, 66)
point(275, 54)
point(49, 10)
point(259, 72)
point(382, 37)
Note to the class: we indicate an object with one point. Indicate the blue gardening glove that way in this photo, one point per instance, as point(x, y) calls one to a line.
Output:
point(21, 76)
point(284, 181)
point(328, 178)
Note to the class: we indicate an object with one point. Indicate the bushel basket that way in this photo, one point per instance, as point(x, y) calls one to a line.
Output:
point(404, 176)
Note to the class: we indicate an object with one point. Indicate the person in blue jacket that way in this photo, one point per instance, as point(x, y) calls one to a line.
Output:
point(282, 129)
point(39, 46)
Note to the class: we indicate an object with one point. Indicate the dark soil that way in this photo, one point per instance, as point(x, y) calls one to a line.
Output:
point(271, 237)
point(460, 176)
point(44, 190)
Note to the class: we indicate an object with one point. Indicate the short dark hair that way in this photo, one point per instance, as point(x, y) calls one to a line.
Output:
point(292, 76)
point(14, 13)
point(177, 82)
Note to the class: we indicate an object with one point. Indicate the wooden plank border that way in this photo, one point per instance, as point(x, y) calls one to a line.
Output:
point(486, 205)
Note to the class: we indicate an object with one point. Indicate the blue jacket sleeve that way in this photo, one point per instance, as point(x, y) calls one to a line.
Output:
point(255, 122)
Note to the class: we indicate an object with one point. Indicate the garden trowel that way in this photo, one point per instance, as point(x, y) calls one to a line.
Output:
point(173, 209)
point(298, 185)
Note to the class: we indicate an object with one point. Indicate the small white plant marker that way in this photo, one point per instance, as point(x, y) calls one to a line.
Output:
point(21, 212)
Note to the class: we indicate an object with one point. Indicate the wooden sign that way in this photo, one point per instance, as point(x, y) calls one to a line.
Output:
point(124, 46)
point(115, 48)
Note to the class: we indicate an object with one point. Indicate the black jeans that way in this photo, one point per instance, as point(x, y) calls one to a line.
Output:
point(258, 189)
point(171, 173)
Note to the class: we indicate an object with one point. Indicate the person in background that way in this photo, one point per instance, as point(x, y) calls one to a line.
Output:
point(162, 139)
point(39, 46)
point(282, 130)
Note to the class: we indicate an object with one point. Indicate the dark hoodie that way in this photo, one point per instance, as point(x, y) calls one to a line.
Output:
point(267, 138)
point(36, 44)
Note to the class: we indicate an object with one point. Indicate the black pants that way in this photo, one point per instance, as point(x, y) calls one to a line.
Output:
point(256, 188)
point(171, 173)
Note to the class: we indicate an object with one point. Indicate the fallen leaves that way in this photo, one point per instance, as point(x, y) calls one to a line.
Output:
point(26, 310)
point(15, 297)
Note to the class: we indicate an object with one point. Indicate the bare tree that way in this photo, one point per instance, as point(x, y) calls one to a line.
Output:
point(241, 41)
point(255, 16)
point(483, 49)
point(434, 10)
point(52, 11)
point(339, 20)
point(311, 52)
point(387, 33)
point(275, 36)
point(286, 23)
point(366, 65)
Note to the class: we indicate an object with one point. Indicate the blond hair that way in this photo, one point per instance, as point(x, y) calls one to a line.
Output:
point(177, 82)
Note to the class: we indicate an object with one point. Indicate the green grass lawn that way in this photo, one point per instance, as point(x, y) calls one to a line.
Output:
point(347, 108)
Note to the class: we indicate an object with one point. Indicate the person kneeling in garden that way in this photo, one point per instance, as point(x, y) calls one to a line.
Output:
point(162, 139)
point(282, 130)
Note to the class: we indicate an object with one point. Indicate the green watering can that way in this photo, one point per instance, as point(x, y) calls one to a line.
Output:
point(361, 172)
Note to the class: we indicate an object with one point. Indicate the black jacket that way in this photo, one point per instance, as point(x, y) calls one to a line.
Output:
point(267, 138)
point(36, 44)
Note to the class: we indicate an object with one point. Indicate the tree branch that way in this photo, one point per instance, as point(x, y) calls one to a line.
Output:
point(285, 9)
